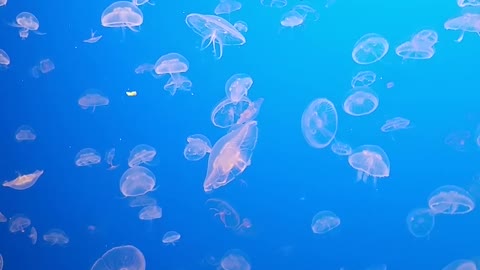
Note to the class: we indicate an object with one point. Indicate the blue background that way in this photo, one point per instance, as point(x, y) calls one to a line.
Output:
point(288, 182)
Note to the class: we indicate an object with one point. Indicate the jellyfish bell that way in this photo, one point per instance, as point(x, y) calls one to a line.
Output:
point(122, 14)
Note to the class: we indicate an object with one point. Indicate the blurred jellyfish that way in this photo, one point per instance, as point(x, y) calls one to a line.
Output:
point(25, 133)
point(18, 223)
point(319, 123)
point(274, 3)
point(468, 22)
point(92, 98)
point(396, 123)
point(122, 14)
point(87, 157)
point(140, 154)
point(235, 259)
point(241, 26)
point(177, 82)
point(369, 49)
point(324, 221)
point(227, 7)
point(56, 237)
point(197, 147)
point(420, 222)
point(360, 101)
point(121, 258)
point(137, 181)
point(92, 38)
point(4, 58)
point(340, 148)
point(171, 237)
point(24, 181)
point(451, 200)
point(150, 212)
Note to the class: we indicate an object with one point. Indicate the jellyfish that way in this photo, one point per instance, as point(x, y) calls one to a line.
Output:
point(468, 22)
point(394, 124)
point(171, 237)
point(197, 147)
point(92, 98)
point(230, 156)
point(340, 148)
point(137, 181)
point(4, 58)
point(18, 223)
point(360, 101)
point(369, 49)
point(426, 37)
point(370, 161)
point(416, 51)
point(274, 3)
point(237, 86)
point(24, 181)
point(461, 265)
point(25, 133)
point(319, 123)
point(227, 215)
point(122, 14)
point(214, 31)
point(150, 212)
point(324, 221)
point(363, 78)
point(235, 259)
point(177, 82)
point(92, 38)
point(109, 156)
point(227, 113)
point(121, 257)
point(33, 235)
point(140, 154)
point(171, 63)
point(451, 200)
point(420, 222)
point(241, 26)
point(56, 237)
point(27, 22)
point(87, 157)
point(227, 7)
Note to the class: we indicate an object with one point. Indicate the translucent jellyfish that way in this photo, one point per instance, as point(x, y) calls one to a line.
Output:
point(27, 22)
point(92, 38)
point(370, 161)
point(420, 222)
point(33, 235)
point(18, 223)
point(109, 156)
point(227, 215)
point(369, 49)
point(24, 181)
point(150, 212)
point(171, 63)
point(324, 221)
point(468, 3)
point(227, 7)
point(235, 259)
point(45, 66)
point(292, 19)
point(142, 153)
point(227, 113)
point(415, 51)
point(426, 38)
point(394, 124)
point(451, 200)
point(319, 123)
point(4, 58)
point(2, 3)
point(121, 258)
point(468, 22)
point(143, 2)
point(25, 133)
point(274, 3)
point(241, 26)
point(214, 31)
point(137, 181)
point(122, 14)
point(87, 157)
point(171, 237)
point(92, 98)
point(360, 101)
point(341, 148)
point(461, 265)
point(142, 201)
point(230, 156)
point(363, 78)
point(459, 140)
point(237, 86)
point(3, 218)
point(197, 147)
point(177, 82)
point(144, 68)
point(56, 237)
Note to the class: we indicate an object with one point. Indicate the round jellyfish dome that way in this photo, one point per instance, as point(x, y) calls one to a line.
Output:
point(122, 14)
point(324, 221)
point(451, 200)
point(319, 123)
point(370, 161)
point(369, 49)
point(360, 101)
point(420, 222)
point(121, 258)
point(137, 181)
point(171, 63)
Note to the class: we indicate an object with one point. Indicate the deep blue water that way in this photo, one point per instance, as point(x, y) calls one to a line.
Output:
point(287, 182)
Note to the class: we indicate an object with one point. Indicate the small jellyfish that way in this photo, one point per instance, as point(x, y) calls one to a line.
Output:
point(230, 156)
point(122, 14)
point(235, 259)
point(451, 200)
point(340, 148)
point(363, 78)
point(394, 124)
point(27, 22)
point(25, 133)
point(241, 26)
point(468, 22)
point(227, 7)
point(197, 147)
point(46, 66)
point(214, 31)
point(237, 86)
point(370, 161)
point(171, 63)
point(150, 212)
point(24, 181)
point(142, 201)
point(324, 221)
point(92, 38)
point(92, 98)
point(144, 68)
point(56, 237)
point(292, 19)
point(425, 37)
point(420, 222)
point(137, 181)
point(140, 154)
point(4, 58)
point(360, 101)
point(415, 51)
point(369, 49)
point(18, 223)
point(319, 123)
point(227, 215)
point(109, 156)
point(33, 235)
point(274, 3)
point(3, 218)
point(121, 258)
point(171, 237)
point(87, 157)
point(227, 113)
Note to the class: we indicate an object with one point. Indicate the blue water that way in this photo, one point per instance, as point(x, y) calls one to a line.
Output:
point(287, 182)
